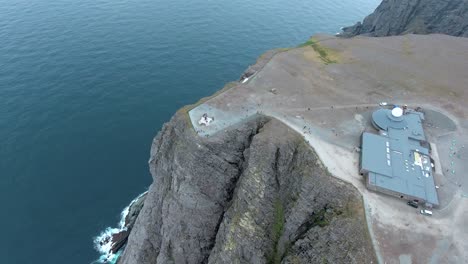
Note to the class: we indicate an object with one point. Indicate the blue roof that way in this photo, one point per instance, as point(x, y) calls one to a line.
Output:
point(376, 156)
point(384, 120)
point(395, 158)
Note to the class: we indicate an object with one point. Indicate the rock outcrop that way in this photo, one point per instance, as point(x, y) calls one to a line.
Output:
point(396, 17)
point(111, 240)
point(119, 239)
point(256, 193)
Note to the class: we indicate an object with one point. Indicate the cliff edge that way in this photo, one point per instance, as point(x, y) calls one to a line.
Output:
point(256, 193)
point(397, 17)
point(251, 188)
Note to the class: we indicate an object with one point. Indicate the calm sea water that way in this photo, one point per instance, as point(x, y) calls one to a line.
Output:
point(85, 85)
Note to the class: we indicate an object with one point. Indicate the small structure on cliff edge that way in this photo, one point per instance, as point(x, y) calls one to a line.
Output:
point(205, 120)
point(396, 160)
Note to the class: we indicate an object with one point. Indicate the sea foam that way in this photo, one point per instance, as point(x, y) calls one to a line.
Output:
point(103, 242)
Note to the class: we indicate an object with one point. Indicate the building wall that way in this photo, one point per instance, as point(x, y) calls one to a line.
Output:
point(361, 170)
point(375, 188)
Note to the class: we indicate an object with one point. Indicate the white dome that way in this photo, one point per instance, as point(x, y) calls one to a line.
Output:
point(397, 112)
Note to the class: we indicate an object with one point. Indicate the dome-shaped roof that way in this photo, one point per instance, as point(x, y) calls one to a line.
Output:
point(384, 119)
point(397, 112)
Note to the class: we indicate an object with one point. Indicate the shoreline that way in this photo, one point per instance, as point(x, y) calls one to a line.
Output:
point(312, 103)
point(111, 241)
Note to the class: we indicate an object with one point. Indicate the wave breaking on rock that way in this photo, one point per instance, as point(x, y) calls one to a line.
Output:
point(110, 242)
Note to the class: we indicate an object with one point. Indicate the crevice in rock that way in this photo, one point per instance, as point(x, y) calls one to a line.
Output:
point(279, 212)
point(240, 165)
point(277, 230)
point(275, 168)
point(317, 218)
point(293, 161)
point(170, 252)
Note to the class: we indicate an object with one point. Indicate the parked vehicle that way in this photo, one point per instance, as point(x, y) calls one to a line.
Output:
point(426, 212)
point(413, 204)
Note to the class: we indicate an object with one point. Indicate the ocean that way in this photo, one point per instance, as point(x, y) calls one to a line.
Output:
point(85, 86)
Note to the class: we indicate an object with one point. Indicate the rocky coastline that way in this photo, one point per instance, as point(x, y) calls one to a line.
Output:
point(392, 18)
point(112, 240)
point(256, 192)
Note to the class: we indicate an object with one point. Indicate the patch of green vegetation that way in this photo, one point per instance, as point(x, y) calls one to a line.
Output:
point(236, 218)
point(325, 54)
point(320, 218)
point(230, 241)
point(170, 253)
point(277, 231)
point(351, 210)
point(279, 220)
point(296, 260)
point(294, 197)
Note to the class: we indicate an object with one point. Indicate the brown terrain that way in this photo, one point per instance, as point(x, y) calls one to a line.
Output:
point(326, 90)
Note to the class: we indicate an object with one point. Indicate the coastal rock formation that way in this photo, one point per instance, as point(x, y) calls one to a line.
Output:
point(119, 239)
point(133, 211)
point(396, 17)
point(111, 240)
point(256, 193)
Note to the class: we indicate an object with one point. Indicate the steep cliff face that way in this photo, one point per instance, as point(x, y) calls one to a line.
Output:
point(396, 17)
point(256, 193)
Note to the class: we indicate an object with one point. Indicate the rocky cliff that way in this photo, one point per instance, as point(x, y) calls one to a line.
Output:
point(396, 17)
point(256, 193)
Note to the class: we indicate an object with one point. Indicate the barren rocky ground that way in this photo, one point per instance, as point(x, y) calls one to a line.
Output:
point(274, 178)
point(327, 89)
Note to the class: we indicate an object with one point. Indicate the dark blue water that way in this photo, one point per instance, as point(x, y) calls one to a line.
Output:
point(85, 85)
